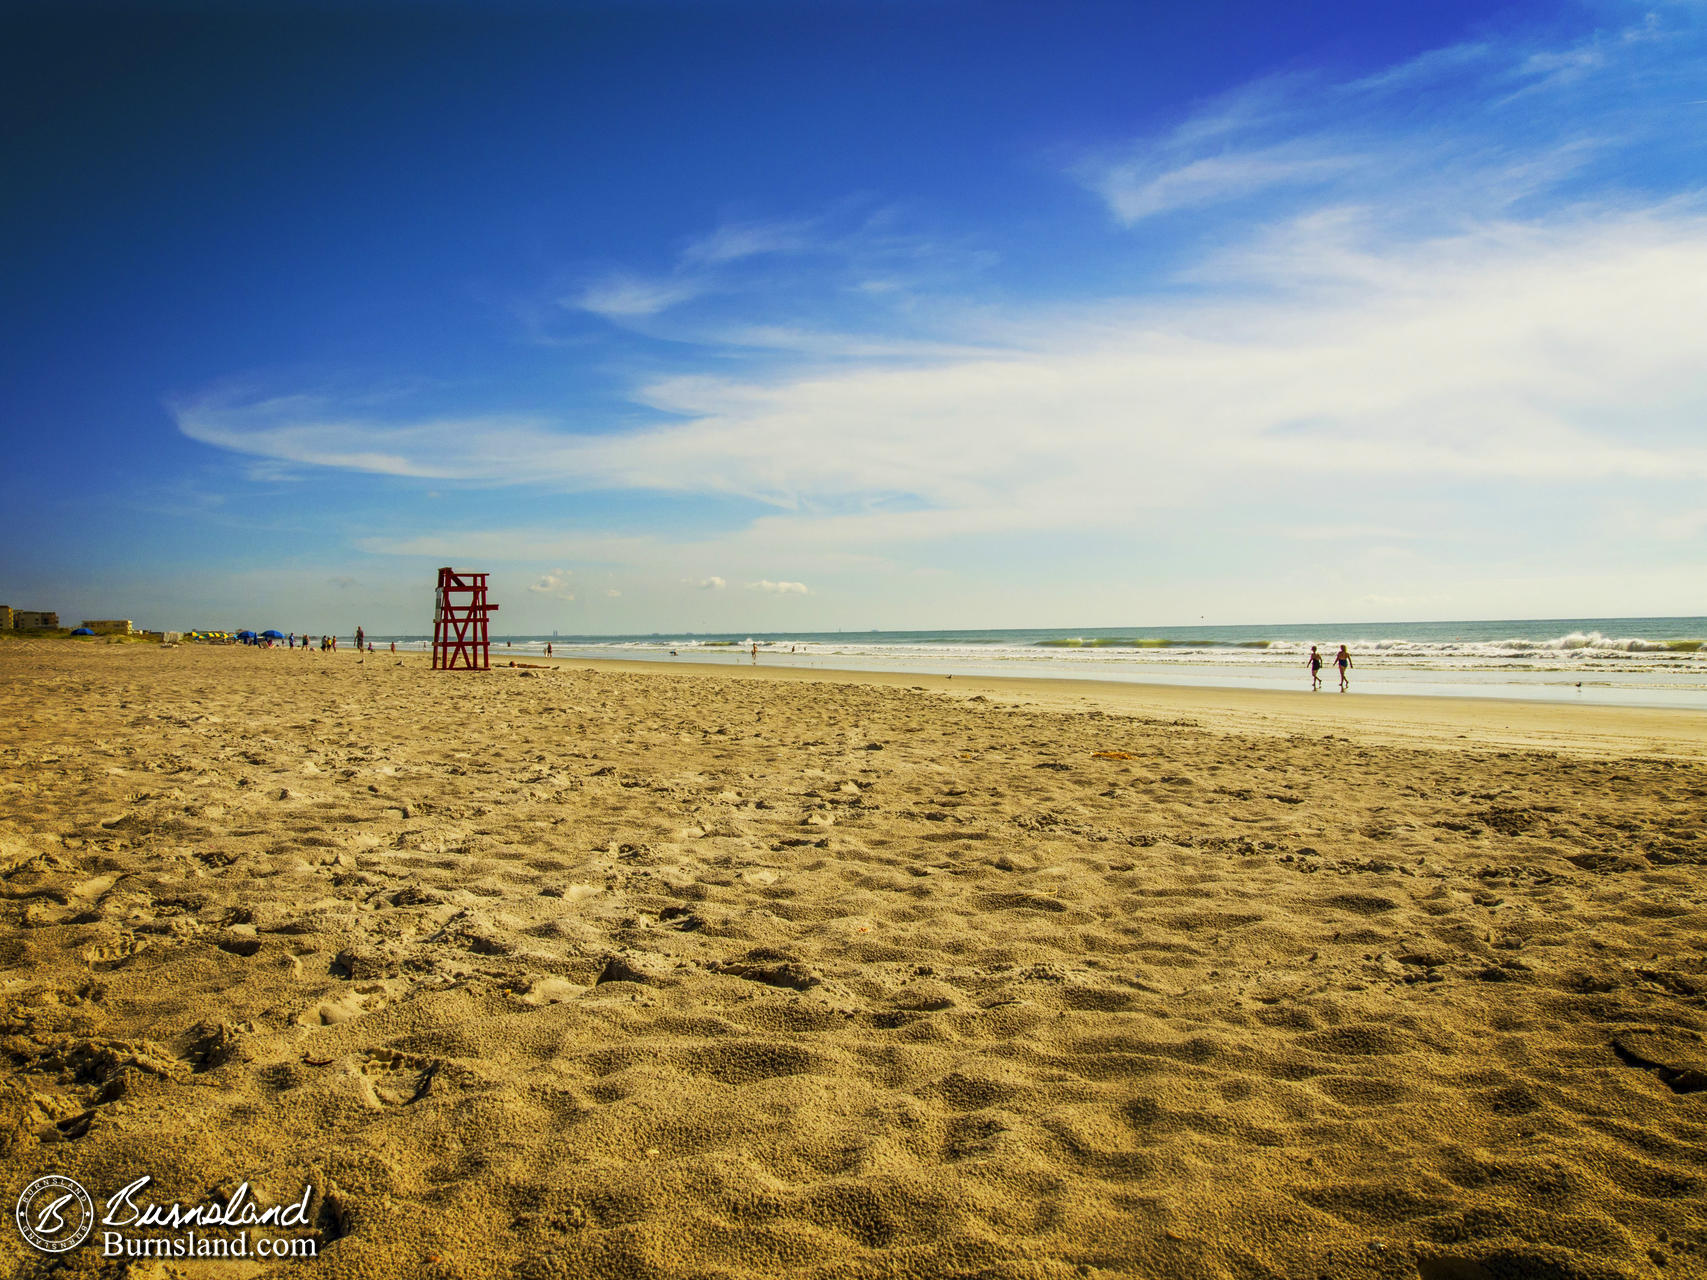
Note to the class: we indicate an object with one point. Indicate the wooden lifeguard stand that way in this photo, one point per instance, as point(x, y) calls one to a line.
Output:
point(459, 622)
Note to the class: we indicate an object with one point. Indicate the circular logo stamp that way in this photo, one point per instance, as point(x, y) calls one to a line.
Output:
point(55, 1214)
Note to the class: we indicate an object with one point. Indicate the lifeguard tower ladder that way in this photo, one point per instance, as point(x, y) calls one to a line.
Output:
point(459, 622)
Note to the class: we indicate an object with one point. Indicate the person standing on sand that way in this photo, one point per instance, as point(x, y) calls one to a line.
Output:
point(1315, 664)
point(1342, 660)
point(755, 651)
point(548, 648)
point(360, 636)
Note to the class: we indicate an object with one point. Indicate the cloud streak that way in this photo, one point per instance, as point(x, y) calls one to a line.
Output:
point(735, 241)
point(1144, 187)
point(1462, 132)
point(789, 268)
point(626, 297)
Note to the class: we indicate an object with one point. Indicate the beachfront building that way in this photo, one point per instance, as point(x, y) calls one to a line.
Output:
point(29, 620)
point(109, 626)
point(5, 617)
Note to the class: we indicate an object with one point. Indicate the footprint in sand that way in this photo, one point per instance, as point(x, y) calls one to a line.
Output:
point(396, 1079)
point(368, 998)
point(110, 955)
point(91, 889)
point(551, 991)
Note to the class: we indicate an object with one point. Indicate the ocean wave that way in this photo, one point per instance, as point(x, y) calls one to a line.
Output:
point(1118, 642)
point(1594, 640)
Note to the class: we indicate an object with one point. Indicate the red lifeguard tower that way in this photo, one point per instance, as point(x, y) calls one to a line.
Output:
point(459, 622)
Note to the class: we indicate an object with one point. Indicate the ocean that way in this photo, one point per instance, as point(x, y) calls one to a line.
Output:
point(1658, 662)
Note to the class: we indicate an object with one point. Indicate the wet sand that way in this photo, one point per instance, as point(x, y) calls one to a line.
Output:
point(614, 970)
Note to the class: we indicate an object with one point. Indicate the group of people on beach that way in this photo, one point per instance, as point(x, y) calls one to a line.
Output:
point(329, 644)
point(1342, 660)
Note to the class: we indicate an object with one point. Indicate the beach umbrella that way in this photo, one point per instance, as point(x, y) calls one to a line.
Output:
point(245, 635)
point(82, 631)
point(270, 634)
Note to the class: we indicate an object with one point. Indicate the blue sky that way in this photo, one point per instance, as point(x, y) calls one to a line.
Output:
point(787, 316)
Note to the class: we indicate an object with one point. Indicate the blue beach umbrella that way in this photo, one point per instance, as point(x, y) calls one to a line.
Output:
point(270, 634)
point(82, 631)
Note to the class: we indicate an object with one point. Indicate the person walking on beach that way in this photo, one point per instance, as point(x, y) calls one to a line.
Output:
point(1315, 665)
point(1342, 660)
point(360, 636)
point(548, 648)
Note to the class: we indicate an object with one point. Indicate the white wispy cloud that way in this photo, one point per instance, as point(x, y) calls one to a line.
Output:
point(850, 250)
point(778, 588)
point(627, 297)
point(1141, 187)
point(1439, 138)
point(1428, 67)
point(846, 346)
point(554, 584)
point(734, 241)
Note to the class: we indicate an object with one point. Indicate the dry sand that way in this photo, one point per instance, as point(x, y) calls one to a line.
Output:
point(647, 972)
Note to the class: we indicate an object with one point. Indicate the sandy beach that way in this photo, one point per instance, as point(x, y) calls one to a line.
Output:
point(628, 971)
